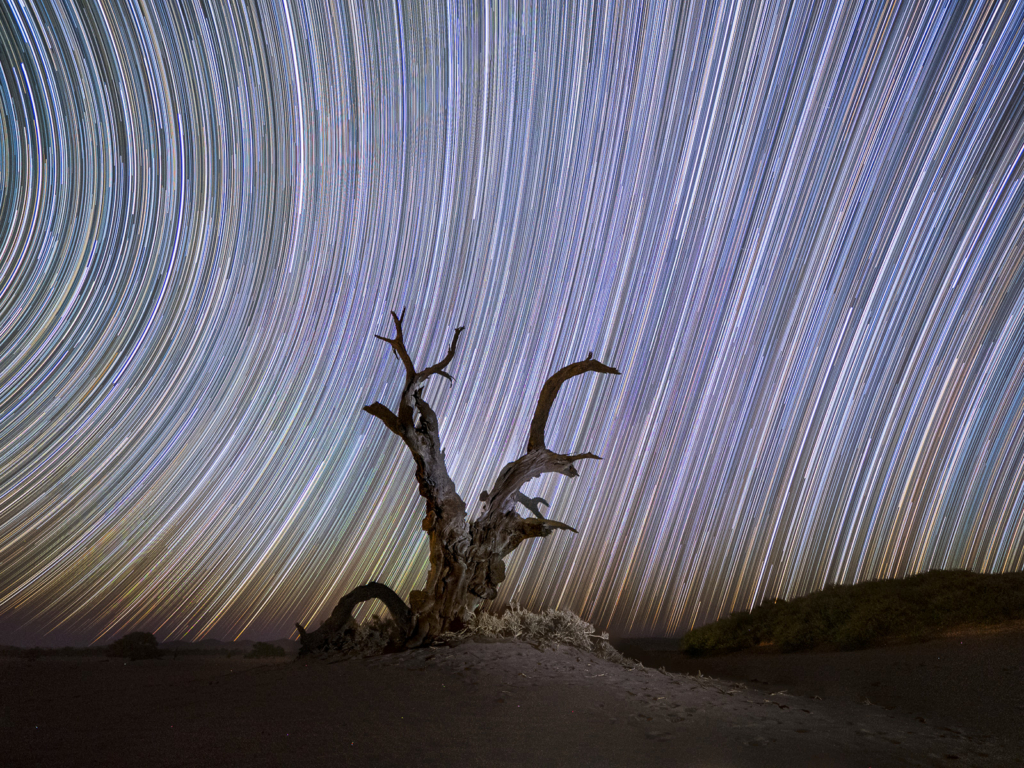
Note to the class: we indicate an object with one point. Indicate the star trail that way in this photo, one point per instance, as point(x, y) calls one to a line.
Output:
point(796, 229)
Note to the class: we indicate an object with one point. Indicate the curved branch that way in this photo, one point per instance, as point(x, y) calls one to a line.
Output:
point(340, 622)
point(517, 473)
point(521, 528)
point(555, 524)
point(550, 391)
point(538, 459)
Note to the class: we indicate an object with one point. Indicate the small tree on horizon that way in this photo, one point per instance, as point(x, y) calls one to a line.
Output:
point(265, 651)
point(467, 558)
point(135, 646)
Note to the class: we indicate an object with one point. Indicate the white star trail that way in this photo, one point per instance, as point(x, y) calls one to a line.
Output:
point(797, 230)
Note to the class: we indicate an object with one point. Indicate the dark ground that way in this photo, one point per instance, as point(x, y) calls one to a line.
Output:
point(956, 701)
point(972, 681)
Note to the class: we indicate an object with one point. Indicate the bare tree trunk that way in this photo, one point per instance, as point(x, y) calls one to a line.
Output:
point(466, 559)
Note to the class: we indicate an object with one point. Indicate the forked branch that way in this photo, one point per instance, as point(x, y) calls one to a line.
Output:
point(398, 347)
point(534, 506)
point(539, 459)
point(402, 422)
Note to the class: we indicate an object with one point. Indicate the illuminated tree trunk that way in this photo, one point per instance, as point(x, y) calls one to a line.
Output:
point(467, 559)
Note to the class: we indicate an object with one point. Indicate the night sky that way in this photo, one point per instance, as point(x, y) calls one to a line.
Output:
point(797, 230)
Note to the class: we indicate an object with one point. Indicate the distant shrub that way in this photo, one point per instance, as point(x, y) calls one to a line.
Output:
point(265, 651)
point(135, 646)
point(34, 653)
point(869, 613)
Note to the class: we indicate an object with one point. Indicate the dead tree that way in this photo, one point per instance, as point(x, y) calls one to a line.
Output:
point(467, 558)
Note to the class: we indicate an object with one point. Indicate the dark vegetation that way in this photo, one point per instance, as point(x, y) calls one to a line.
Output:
point(135, 646)
point(265, 651)
point(13, 651)
point(173, 648)
point(868, 614)
point(227, 653)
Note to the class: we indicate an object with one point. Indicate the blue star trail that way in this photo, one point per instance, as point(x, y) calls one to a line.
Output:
point(796, 229)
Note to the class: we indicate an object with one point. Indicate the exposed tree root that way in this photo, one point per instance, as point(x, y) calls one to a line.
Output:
point(338, 629)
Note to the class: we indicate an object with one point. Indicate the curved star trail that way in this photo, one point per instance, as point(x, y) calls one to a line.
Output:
point(797, 230)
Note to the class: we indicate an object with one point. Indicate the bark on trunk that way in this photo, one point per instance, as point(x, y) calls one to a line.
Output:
point(466, 558)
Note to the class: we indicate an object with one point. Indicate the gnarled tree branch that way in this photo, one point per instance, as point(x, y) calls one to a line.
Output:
point(338, 626)
point(534, 506)
point(398, 347)
point(549, 392)
point(405, 417)
point(384, 413)
point(440, 602)
point(538, 459)
point(499, 530)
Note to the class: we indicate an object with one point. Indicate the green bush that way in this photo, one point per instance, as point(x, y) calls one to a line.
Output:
point(265, 651)
point(135, 646)
point(869, 613)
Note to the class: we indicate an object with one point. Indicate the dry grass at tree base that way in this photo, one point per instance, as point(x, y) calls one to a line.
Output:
point(868, 614)
point(544, 630)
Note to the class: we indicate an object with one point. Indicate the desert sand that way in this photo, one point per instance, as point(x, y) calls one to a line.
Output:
point(969, 682)
point(510, 704)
